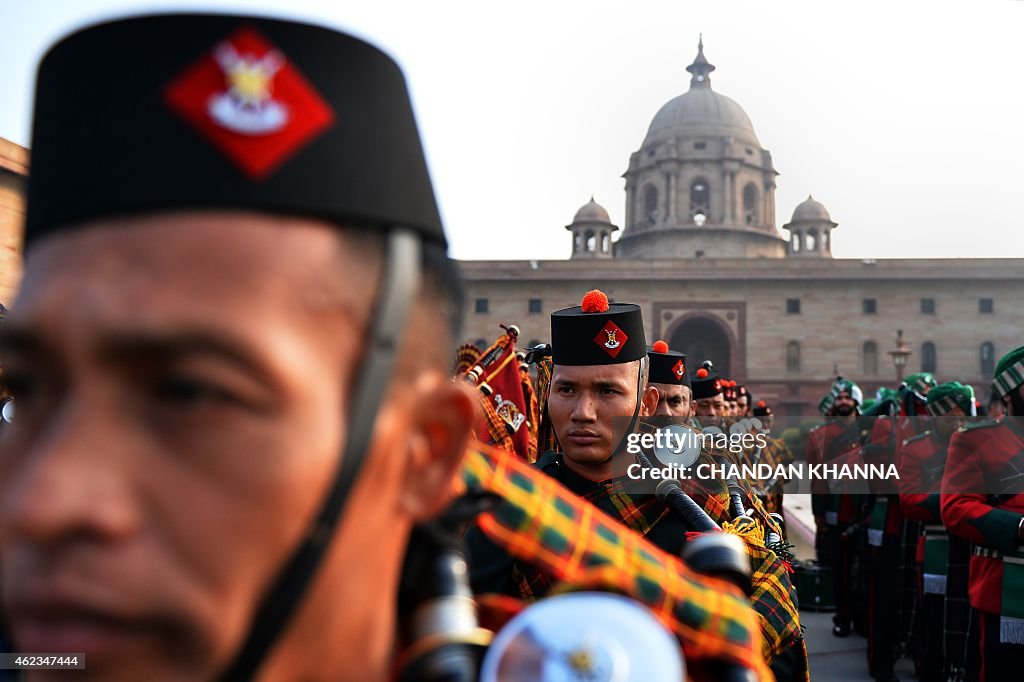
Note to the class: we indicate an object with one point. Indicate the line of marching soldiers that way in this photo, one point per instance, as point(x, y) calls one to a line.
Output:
point(929, 564)
point(556, 419)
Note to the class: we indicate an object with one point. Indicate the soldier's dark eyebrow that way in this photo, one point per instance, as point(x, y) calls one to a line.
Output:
point(610, 385)
point(158, 347)
point(15, 340)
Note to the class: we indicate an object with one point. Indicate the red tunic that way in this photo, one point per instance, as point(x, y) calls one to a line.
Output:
point(979, 503)
point(827, 443)
point(922, 459)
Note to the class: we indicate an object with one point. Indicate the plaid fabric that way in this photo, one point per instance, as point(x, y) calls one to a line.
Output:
point(776, 453)
point(1009, 379)
point(498, 435)
point(532, 417)
point(540, 522)
point(545, 433)
point(957, 608)
point(773, 594)
point(909, 578)
point(640, 513)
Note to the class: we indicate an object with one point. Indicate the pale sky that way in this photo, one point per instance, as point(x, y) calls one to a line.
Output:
point(904, 117)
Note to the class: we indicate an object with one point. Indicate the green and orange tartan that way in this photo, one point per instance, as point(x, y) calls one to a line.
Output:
point(541, 522)
point(532, 583)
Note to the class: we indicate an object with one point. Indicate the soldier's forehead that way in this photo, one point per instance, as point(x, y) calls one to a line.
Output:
point(594, 372)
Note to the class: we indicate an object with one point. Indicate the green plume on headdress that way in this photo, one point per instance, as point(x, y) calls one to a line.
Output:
point(1009, 372)
point(944, 397)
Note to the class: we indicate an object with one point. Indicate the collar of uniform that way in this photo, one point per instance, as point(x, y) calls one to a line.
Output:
point(552, 464)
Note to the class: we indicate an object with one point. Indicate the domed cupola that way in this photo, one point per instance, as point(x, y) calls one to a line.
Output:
point(591, 229)
point(810, 230)
point(700, 184)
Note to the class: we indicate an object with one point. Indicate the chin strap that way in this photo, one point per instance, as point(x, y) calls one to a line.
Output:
point(636, 410)
point(399, 282)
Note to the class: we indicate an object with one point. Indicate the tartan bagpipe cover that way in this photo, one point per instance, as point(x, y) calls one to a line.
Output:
point(541, 522)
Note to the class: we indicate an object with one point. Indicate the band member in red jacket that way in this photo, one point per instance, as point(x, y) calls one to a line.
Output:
point(983, 502)
point(834, 513)
point(922, 462)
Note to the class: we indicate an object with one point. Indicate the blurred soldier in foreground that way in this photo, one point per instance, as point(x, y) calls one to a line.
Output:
point(219, 405)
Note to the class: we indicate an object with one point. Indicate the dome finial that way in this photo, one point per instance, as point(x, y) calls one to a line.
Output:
point(700, 68)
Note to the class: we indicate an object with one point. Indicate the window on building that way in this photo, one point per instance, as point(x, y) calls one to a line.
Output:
point(700, 200)
point(795, 239)
point(792, 306)
point(928, 362)
point(988, 359)
point(700, 145)
point(927, 306)
point(606, 242)
point(750, 204)
point(481, 306)
point(985, 305)
point(870, 306)
point(811, 240)
point(869, 355)
point(535, 306)
point(591, 241)
point(793, 356)
point(651, 204)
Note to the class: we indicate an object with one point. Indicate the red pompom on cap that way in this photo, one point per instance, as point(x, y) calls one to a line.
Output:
point(594, 301)
point(702, 373)
point(761, 403)
point(660, 346)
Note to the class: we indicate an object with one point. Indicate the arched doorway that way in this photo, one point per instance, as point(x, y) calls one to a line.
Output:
point(703, 338)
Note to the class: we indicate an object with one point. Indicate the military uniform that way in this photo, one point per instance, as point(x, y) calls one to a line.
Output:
point(836, 511)
point(981, 457)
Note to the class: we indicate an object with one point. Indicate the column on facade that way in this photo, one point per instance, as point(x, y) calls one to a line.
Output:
point(671, 197)
point(731, 198)
point(630, 198)
point(725, 194)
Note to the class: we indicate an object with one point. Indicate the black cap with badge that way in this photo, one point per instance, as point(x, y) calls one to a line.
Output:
point(667, 366)
point(177, 112)
point(597, 332)
point(706, 382)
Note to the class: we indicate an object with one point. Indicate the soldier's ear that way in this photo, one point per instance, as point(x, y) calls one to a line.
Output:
point(443, 420)
point(649, 401)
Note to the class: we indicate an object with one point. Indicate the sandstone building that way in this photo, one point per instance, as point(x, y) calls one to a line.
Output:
point(701, 253)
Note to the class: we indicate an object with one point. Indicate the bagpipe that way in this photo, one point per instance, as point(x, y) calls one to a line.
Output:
point(623, 606)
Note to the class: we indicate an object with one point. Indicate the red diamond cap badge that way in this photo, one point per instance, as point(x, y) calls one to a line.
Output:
point(611, 338)
point(247, 99)
point(679, 369)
